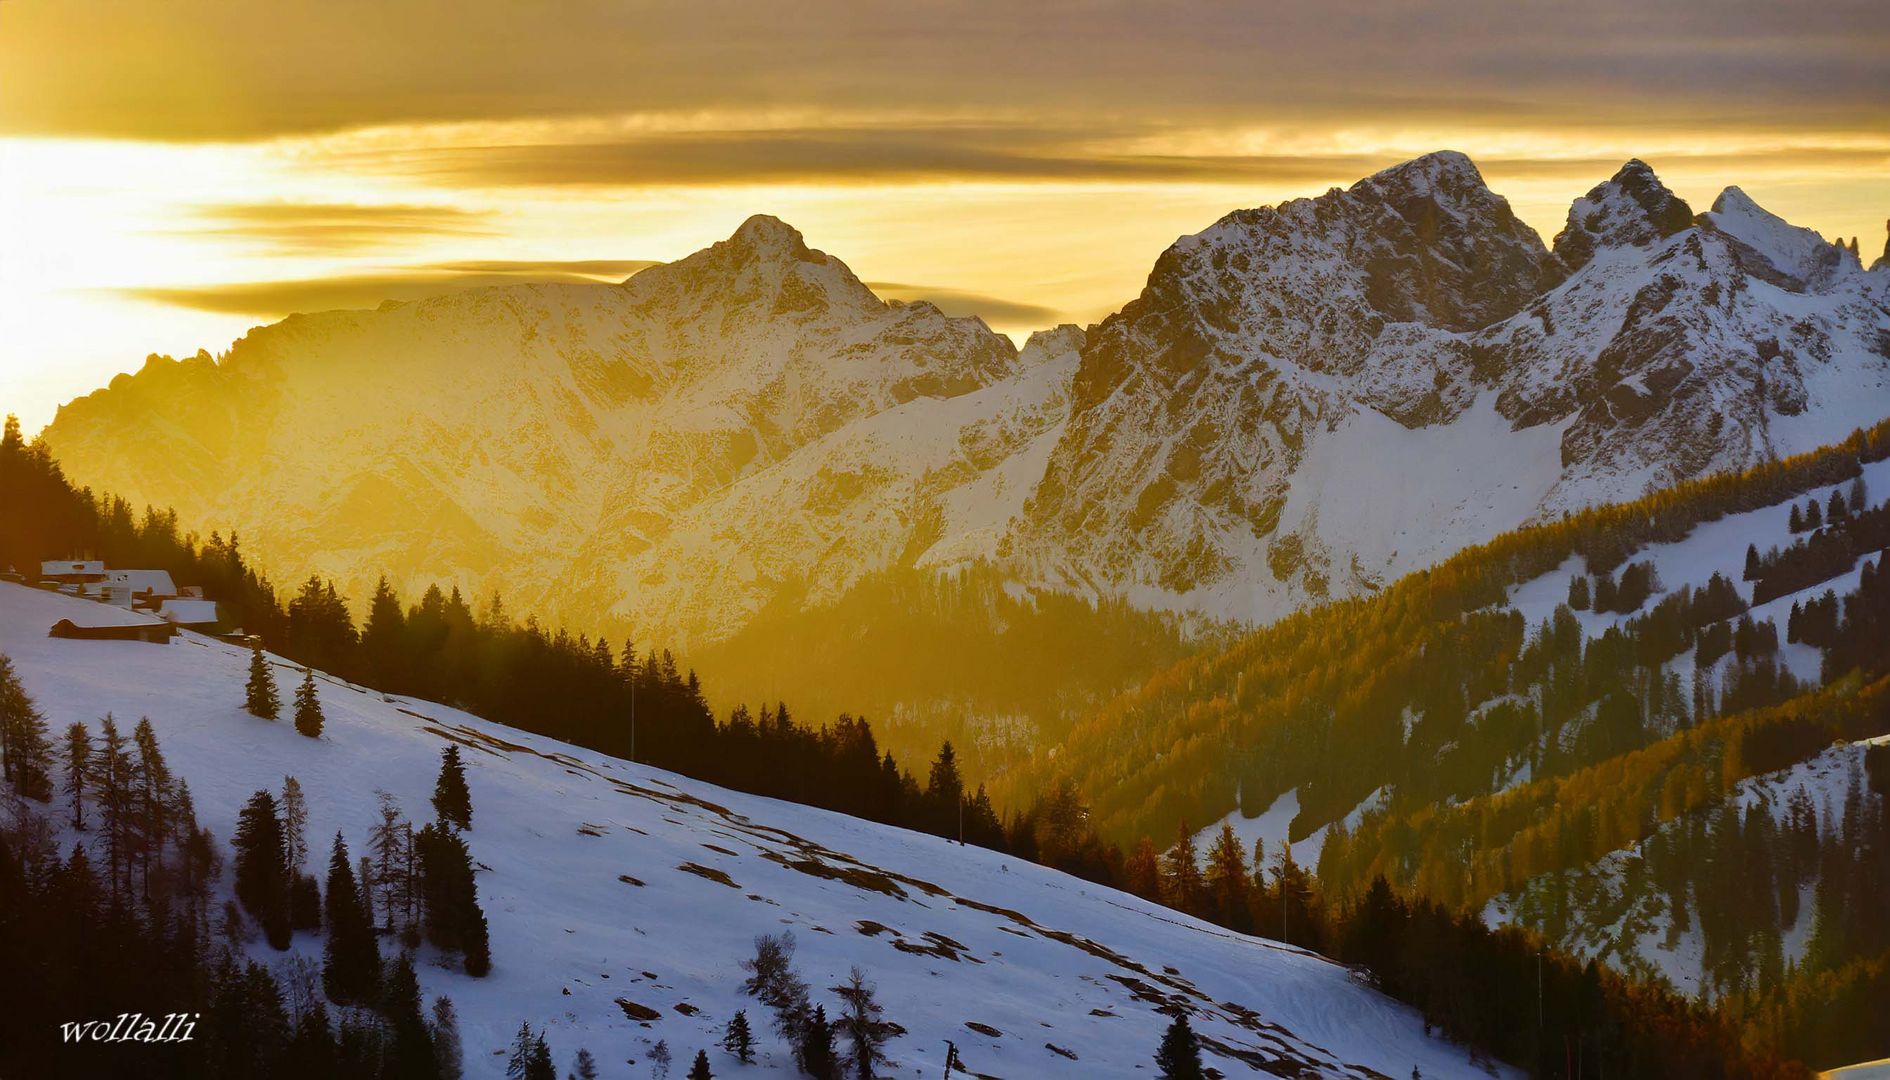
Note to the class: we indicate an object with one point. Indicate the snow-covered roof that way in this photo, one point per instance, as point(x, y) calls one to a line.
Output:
point(189, 612)
point(152, 581)
point(63, 567)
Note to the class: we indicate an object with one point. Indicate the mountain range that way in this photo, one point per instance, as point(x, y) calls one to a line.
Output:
point(1305, 402)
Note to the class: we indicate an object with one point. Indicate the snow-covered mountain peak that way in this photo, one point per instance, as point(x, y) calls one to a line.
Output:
point(1631, 209)
point(1799, 253)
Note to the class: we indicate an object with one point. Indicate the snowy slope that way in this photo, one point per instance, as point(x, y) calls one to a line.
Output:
point(589, 902)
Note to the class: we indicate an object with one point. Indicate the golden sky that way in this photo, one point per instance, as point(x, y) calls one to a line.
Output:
point(175, 171)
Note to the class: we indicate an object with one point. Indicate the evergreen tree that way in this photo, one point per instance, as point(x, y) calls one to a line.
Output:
point(1181, 877)
point(116, 801)
point(308, 706)
point(860, 1023)
point(259, 694)
point(151, 789)
point(1753, 566)
point(78, 766)
point(25, 749)
point(449, 897)
point(945, 792)
point(1227, 880)
point(738, 1039)
point(261, 876)
point(584, 1067)
point(1144, 872)
point(447, 1052)
point(518, 1066)
point(700, 1070)
point(410, 1052)
point(1578, 592)
point(816, 1051)
point(1180, 1055)
point(541, 1066)
point(294, 825)
point(351, 960)
point(451, 799)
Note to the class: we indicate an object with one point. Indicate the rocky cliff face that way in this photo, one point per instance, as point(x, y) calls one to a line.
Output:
point(1303, 402)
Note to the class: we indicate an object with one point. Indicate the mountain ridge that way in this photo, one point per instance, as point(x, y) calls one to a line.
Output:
point(751, 426)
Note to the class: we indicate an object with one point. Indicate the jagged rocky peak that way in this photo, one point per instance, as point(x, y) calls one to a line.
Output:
point(1799, 257)
point(765, 234)
point(1631, 209)
point(1448, 251)
point(1883, 261)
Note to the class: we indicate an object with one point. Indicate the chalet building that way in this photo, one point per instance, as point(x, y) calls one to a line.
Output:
point(88, 630)
point(72, 572)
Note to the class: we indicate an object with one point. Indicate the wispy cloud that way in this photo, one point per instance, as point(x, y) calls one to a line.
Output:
point(274, 299)
point(326, 228)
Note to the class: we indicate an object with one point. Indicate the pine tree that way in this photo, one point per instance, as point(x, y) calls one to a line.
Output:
point(451, 799)
point(308, 706)
point(261, 877)
point(945, 792)
point(351, 961)
point(447, 1051)
point(1180, 1055)
point(78, 766)
point(25, 748)
point(584, 1067)
point(700, 1070)
point(738, 1039)
point(259, 694)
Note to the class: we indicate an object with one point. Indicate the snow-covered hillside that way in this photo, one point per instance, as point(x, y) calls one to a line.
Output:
point(616, 891)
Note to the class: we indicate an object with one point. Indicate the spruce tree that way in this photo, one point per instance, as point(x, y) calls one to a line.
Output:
point(738, 1039)
point(1181, 877)
point(259, 694)
point(700, 1070)
point(308, 706)
point(25, 749)
point(540, 1066)
point(451, 799)
point(78, 766)
point(584, 1066)
point(262, 882)
point(351, 960)
point(816, 1047)
point(410, 1053)
point(447, 1053)
point(1180, 1055)
point(151, 788)
point(517, 1066)
point(116, 802)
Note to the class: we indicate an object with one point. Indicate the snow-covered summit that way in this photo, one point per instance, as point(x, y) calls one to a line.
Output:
point(1800, 255)
point(1631, 209)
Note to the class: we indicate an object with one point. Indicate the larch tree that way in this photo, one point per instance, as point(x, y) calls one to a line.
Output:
point(78, 766)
